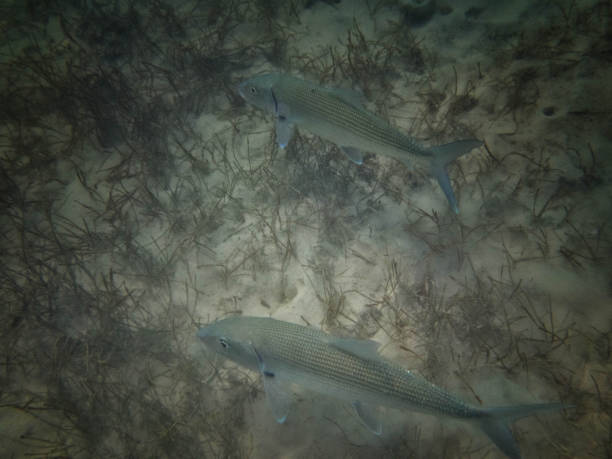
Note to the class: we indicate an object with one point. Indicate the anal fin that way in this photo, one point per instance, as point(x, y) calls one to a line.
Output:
point(368, 416)
point(284, 131)
point(353, 154)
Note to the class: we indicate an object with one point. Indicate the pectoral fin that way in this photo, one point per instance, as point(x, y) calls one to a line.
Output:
point(284, 131)
point(284, 127)
point(368, 416)
point(353, 154)
point(279, 399)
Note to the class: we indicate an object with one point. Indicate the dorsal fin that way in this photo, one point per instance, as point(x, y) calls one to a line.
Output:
point(366, 349)
point(355, 98)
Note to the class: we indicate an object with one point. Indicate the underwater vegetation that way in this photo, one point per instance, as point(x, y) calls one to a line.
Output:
point(141, 199)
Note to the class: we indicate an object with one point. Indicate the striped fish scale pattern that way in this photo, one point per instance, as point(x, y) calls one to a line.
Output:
point(350, 370)
point(310, 350)
point(333, 109)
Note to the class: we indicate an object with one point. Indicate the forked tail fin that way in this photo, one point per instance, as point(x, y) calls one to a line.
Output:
point(442, 156)
point(495, 423)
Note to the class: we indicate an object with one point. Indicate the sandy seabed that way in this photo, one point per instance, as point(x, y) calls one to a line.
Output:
point(142, 198)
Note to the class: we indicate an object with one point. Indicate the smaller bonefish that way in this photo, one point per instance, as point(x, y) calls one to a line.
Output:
point(351, 370)
point(338, 115)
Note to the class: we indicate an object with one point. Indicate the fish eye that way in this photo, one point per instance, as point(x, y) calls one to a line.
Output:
point(253, 90)
point(223, 342)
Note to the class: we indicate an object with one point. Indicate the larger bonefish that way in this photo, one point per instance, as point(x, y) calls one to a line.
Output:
point(338, 115)
point(349, 369)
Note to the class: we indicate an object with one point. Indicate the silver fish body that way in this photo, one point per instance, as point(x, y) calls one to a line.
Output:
point(339, 116)
point(351, 370)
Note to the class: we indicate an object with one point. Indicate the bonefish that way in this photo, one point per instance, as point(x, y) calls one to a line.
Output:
point(338, 115)
point(352, 370)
